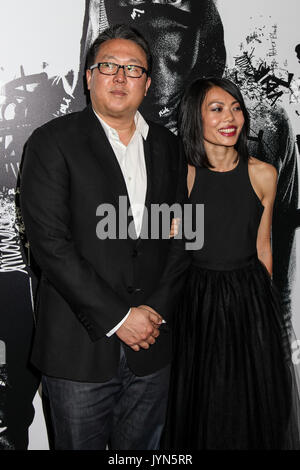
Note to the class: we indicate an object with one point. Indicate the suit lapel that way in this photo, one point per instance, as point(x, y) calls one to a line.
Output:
point(154, 168)
point(103, 154)
point(148, 163)
point(154, 179)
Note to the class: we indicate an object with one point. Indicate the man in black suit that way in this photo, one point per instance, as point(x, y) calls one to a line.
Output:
point(103, 354)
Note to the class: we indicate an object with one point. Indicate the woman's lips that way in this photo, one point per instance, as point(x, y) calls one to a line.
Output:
point(228, 131)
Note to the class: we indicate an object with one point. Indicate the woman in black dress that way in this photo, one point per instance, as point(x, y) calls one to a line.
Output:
point(233, 382)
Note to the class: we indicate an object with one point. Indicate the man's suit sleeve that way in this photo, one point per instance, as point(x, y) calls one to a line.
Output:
point(45, 209)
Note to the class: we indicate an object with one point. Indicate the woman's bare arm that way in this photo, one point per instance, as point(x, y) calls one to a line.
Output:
point(263, 177)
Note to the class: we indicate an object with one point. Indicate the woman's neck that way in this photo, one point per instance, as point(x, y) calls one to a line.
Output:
point(220, 157)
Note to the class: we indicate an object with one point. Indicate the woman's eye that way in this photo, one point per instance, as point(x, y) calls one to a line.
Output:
point(217, 109)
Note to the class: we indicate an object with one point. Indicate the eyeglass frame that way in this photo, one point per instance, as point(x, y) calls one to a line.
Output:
point(97, 66)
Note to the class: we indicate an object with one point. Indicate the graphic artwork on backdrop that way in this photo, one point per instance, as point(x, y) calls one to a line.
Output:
point(25, 103)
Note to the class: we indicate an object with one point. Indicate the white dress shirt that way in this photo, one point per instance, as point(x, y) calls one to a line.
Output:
point(131, 159)
point(132, 163)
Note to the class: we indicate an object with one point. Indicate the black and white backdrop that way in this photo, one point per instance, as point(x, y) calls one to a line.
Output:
point(43, 45)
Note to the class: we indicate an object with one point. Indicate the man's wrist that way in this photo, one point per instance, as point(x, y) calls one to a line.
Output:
point(111, 332)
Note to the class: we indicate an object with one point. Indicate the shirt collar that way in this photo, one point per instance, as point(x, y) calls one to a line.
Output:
point(140, 124)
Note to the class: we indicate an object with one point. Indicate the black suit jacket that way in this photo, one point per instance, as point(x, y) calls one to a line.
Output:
point(88, 285)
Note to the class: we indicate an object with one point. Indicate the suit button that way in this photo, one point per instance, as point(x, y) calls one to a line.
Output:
point(135, 253)
point(134, 290)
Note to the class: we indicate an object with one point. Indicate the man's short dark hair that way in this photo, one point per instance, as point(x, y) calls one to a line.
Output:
point(119, 31)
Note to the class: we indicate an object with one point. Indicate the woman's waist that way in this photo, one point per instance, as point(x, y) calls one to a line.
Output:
point(225, 264)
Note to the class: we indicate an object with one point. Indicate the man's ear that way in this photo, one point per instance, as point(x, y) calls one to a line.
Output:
point(148, 83)
point(88, 75)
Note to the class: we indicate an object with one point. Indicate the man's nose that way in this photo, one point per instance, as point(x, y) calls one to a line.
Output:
point(120, 75)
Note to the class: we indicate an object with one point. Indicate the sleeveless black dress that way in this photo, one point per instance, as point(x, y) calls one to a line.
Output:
point(233, 383)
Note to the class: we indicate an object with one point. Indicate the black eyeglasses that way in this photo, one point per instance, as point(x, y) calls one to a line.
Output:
point(109, 68)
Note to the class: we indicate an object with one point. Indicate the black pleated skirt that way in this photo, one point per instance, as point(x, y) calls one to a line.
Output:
point(234, 382)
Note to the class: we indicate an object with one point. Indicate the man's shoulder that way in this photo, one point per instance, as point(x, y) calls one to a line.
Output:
point(62, 125)
point(161, 131)
point(170, 144)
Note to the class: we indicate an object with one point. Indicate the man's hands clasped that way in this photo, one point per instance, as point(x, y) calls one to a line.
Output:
point(141, 327)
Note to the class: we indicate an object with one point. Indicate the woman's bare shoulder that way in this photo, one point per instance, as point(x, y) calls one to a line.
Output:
point(262, 170)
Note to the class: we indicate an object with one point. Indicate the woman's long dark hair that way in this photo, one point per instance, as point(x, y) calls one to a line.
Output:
point(190, 120)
